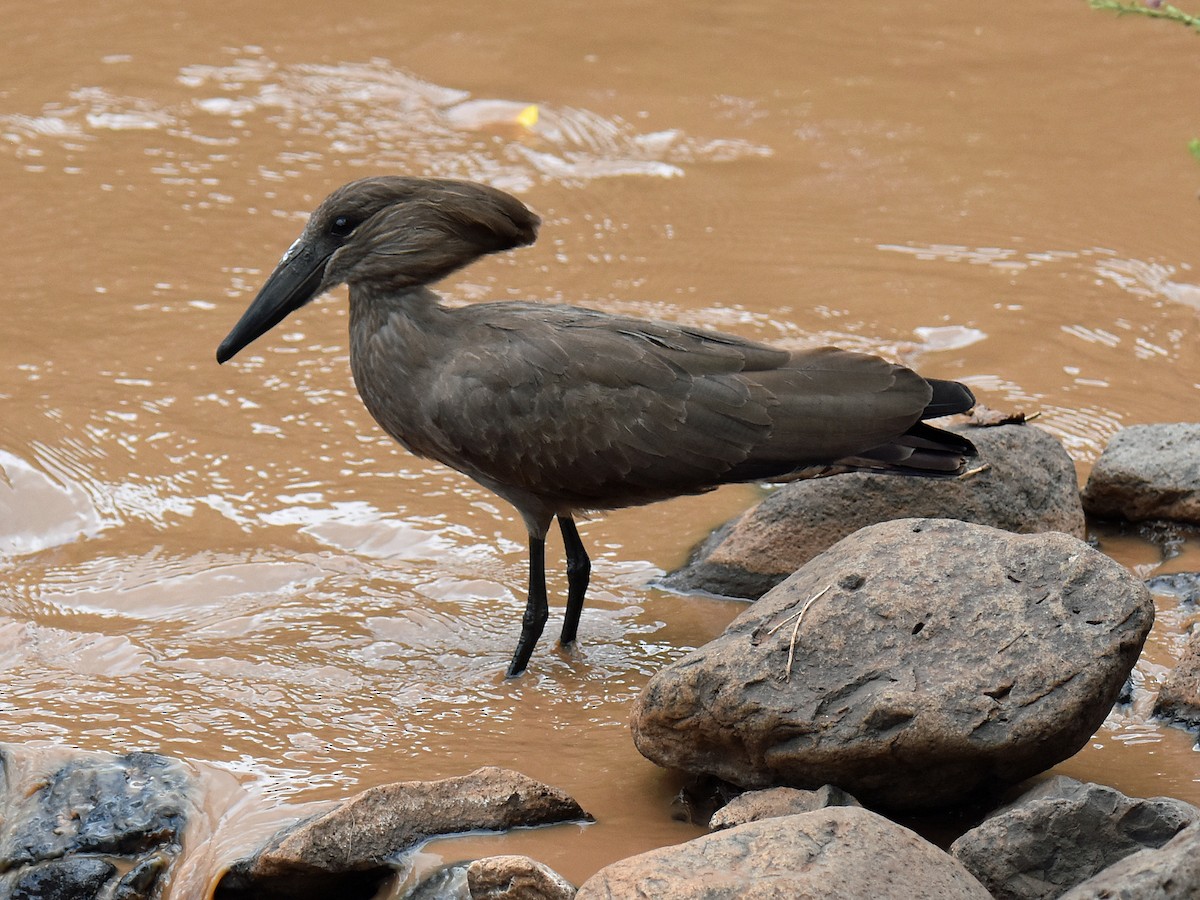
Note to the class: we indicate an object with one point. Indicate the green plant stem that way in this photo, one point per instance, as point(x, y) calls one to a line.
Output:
point(1166, 11)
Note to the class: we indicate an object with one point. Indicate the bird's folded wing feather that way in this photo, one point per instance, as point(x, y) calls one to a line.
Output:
point(605, 410)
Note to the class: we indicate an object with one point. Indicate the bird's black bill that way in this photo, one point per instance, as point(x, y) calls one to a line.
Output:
point(293, 283)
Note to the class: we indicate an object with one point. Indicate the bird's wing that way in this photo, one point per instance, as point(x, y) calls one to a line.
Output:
point(601, 411)
point(596, 416)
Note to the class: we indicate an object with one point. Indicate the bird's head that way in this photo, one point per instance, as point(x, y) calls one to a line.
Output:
point(389, 231)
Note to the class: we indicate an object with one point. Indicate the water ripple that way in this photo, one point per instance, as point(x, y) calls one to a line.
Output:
point(373, 113)
point(1149, 279)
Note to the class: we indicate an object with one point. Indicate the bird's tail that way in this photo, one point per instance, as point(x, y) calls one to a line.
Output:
point(924, 449)
point(949, 398)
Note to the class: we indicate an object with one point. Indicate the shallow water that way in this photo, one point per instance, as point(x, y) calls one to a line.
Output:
point(232, 564)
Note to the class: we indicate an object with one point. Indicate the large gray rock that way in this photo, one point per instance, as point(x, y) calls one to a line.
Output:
point(1170, 873)
point(835, 852)
point(1148, 472)
point(1029, 486)
point(79, 825)
point(934, 659)
point(347, 851)
point(1063, 832)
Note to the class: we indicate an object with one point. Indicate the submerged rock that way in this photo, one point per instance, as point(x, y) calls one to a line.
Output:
point(1029, 486)
point(492, 878)
point(1185, 586)
point(349, 849)
point(97, 804)
point(772, 803)
point(73, 878)
point(73, 822)
point(1063, 832)
point(448, 882)
point(516, 878)
point(835, 852)
point(1169, 873)
point(915, 664)
point(1148, 472)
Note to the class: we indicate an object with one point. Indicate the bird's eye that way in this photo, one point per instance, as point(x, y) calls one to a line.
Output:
point(342, 226)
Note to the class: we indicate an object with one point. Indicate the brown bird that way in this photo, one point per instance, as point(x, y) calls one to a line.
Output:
point(561, 410)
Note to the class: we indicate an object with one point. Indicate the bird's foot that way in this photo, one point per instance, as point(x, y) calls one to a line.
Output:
point(571, 650)
point(515, 669)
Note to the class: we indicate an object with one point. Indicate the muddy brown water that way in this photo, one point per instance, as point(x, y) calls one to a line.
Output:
point(233, 565)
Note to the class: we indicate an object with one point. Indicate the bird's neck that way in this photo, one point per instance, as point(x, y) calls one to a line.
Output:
point(399, 333)
point(396, 340)
point(372, 307)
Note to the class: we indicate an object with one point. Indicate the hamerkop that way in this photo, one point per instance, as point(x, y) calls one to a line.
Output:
point(561, 410)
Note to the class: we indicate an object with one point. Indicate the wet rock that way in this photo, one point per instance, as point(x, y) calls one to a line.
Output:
point(75, 878)
point(72, 821)
point(836, 852)
point(98, 804)
point(1148, 472)
point(916, 664)
point(140, 882)
point(700, 797)
point(1185, 586)
point(1179, 698)
point(773, 803)
point(1178, 701)
point(1029, 486)
point(493, 878)
point(448, 882)
point(349, 849)
point(1063, 832)
point(1169, 873)
point(516, 878)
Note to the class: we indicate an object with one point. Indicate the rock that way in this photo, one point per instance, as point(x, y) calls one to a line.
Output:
point(448, 882)
point(1148, 472)
point(516, 878)
point(1179, 697)
point(84, 825)
point(700, 797)
point(140, 882)
point(97, 803)
point(74, 878)
point(1178, 701)
point(1030, 486)
point(1170, 873)
point(775, 802)
point(1183, 585)
point(348, 849)
point(835, 852)
point(933, 660)
point(1063, 832)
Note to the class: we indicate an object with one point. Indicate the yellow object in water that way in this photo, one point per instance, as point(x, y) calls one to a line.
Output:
point(528, 116)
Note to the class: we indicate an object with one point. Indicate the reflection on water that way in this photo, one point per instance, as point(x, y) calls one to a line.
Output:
point(233, 564)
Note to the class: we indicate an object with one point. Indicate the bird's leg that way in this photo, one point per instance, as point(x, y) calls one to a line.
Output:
point(536, 607)
point(579, 569)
